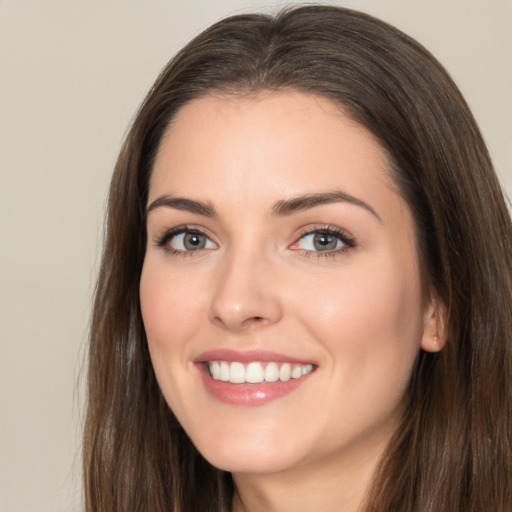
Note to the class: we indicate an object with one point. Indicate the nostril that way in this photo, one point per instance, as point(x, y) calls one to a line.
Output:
point(254, 320)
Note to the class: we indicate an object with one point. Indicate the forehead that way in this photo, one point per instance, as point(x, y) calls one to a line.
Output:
point(289, 140)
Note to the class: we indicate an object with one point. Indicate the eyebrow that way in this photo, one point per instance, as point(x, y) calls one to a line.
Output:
point(305, 202)
point(183, 204)
point(281, 208)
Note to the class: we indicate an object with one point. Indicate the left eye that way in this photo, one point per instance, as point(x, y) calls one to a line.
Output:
point(190, 241)
point(320, 241)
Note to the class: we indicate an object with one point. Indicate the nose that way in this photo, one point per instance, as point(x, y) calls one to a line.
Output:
point(246, 295)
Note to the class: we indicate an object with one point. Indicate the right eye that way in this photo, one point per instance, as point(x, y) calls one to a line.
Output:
point(186, 240)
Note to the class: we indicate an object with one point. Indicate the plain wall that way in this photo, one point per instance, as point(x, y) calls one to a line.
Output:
point(71, 77)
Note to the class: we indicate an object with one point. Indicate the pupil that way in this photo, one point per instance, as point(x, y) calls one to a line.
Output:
point(323, 241)
point(194, 241)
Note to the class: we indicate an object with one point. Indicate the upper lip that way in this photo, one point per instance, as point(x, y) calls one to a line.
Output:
point(248, 356)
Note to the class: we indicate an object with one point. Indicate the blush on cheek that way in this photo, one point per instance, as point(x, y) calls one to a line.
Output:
point(157, 322)
point(170, 306)
point(360, 319)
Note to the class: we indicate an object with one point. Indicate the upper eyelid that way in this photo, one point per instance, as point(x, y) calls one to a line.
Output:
point(334, 230)
point(165, 235)
point(162, 237)
point(343, 235)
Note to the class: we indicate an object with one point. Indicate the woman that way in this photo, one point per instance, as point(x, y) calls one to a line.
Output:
point(305, 296)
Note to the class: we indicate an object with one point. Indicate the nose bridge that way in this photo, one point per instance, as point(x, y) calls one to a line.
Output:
point(245, 295)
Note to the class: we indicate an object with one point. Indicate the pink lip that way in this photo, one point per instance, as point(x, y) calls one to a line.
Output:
point(261, 356)
point(248, 395)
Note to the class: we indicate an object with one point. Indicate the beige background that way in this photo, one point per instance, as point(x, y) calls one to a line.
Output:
point(71, 76)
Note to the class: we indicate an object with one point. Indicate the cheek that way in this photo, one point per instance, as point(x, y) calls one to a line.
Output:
point(369, 321)
point(365, 302)
point(171, 303)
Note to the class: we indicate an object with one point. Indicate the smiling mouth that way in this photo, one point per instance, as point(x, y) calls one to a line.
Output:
point(237, 372)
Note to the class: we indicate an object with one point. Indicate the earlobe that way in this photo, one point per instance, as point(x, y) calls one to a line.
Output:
point(434, 336)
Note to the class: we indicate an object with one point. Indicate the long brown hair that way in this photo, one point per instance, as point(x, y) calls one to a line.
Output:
point(453, 449)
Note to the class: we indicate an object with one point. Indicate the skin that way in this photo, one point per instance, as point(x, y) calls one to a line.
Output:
point(358, 313)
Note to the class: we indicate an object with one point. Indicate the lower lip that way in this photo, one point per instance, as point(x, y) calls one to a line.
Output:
point(250, 395)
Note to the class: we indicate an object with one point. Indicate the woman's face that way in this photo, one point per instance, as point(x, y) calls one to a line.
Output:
point(280, 290)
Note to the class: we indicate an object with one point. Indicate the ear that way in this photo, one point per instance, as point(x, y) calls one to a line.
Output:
point(434, 327)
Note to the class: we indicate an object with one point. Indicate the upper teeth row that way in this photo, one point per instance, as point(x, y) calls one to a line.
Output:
point(255, 372)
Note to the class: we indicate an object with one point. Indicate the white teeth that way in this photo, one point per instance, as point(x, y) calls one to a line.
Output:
point(215, 370)
point(272, 372)
point(285, 372)
point(296, 372)
point(306, 369)
point(237, 373)
point(255, 372)
point(224, 371)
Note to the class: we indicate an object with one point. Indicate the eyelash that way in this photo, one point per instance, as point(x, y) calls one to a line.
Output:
point(347, 240)
point(163, 241)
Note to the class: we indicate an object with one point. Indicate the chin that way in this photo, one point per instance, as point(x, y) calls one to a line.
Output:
point(257, 451)
point(250, 462)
